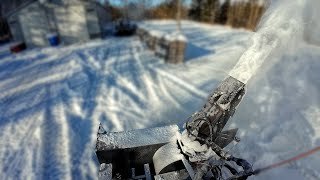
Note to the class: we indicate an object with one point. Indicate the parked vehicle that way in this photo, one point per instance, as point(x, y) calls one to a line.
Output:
point(125, 28)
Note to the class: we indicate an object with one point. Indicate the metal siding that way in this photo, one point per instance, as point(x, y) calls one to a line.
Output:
point(92, 21)
point(104, 18)
point(15, 28)
point(34, 25)
point(71, 24)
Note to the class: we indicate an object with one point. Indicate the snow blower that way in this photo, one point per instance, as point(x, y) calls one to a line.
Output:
point(195, 153)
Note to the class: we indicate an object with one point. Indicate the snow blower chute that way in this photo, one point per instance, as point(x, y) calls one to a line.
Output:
point(196, 153)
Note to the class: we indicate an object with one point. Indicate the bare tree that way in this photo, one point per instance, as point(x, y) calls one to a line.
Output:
point(126, 9)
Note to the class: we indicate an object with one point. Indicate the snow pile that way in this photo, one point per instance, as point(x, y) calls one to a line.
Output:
point(175, 37)
point(167, 35)
point(156, 33)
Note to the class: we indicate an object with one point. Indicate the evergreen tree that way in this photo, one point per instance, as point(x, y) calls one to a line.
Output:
point(223, 13)
point(195, 10)
point(204, 10)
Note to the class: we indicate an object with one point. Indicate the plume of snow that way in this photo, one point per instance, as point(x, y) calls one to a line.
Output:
point(282, 21)
point(312, 22)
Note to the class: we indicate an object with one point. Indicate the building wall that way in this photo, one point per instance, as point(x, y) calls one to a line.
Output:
point(93, 25)
point(71, 23)
point(64, 2)
point(104, 19)
point(34, 24)
point(15, 28)
point(73, 20)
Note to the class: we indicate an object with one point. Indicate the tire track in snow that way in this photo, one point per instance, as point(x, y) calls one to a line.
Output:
point(18, 167)
point(55, 142)
point(168, 94)
point(111, 70)
point(122, 88)
point(155, 76)
point(163, 90)
point(115, 91)
point(94, 69)
point(100, 102)
point(124, 112)
point(64, 73)
point(116, 83)
point(185, 85)
point(146, 78)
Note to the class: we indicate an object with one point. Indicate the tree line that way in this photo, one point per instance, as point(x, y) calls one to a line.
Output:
point(238, 14)
point(245, 14)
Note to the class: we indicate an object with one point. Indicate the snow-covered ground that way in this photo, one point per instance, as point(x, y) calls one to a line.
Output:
point(53, 99)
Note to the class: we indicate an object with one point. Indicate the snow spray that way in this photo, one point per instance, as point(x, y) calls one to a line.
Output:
point(282, 21)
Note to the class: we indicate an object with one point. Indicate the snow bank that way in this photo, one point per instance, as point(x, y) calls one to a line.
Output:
point(151, 27)
point(175, 37)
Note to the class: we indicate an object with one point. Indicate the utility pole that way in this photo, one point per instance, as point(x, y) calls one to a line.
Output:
point(178, 15)
point(142, 6)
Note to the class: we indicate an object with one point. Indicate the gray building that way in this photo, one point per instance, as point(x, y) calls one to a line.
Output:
point(73, 21)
